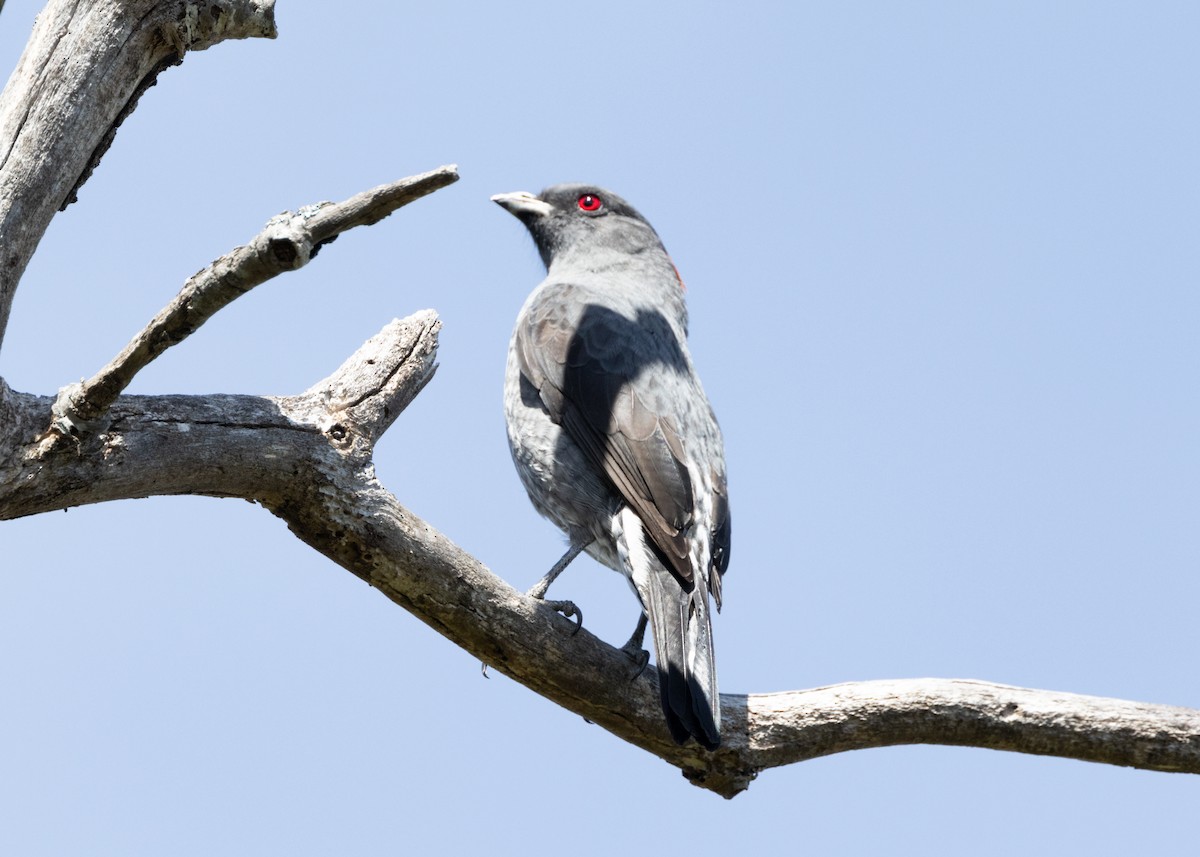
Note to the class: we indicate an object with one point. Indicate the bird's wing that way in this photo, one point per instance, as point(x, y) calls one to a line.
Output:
point(617, 387)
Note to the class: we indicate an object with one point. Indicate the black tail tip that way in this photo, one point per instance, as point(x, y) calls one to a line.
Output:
point(690, 715)
point(681, 733)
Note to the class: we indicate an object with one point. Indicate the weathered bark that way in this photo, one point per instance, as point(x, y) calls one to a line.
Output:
point(308, 458)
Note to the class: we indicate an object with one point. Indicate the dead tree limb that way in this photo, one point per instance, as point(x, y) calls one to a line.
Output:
point(288, 242)
point(307, 459)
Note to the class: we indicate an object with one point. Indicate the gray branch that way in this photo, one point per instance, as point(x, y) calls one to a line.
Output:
point(307, 458)
point(289, 241)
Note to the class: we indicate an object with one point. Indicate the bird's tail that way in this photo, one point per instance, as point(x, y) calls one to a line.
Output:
point(683, 648)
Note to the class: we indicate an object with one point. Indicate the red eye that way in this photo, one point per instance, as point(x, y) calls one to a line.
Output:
point(588, 202)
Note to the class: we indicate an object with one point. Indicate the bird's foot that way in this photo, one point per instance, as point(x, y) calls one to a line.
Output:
point(633, 647)
point(640, 657)
point(568, 609)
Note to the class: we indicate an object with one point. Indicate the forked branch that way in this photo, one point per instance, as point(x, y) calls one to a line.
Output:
point(288, 242)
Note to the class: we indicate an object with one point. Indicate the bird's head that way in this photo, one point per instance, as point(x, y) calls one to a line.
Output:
point(578, 220)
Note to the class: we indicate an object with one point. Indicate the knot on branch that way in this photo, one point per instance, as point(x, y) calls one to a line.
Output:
point(338, 432)
point(288, 238)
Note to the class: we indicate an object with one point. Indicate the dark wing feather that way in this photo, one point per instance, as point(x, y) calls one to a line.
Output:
point(722, 537)
point(590, 370)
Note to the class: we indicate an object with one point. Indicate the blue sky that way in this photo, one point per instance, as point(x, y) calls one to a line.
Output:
point(944, 291)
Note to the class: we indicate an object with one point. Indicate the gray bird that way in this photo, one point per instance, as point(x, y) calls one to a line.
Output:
point(613, 436)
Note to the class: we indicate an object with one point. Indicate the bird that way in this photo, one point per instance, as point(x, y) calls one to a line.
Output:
point(613, 436)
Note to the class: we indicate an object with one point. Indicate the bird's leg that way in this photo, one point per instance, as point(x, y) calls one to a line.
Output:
point(633, 646)
point(538, 591)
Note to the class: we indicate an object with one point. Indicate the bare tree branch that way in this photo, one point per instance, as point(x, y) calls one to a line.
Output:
point(307, 458)
point(263, 448)
point(287, 243)
point(783, 728)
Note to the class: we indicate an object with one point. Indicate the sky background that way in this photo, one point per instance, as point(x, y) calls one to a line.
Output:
point(944, 287)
